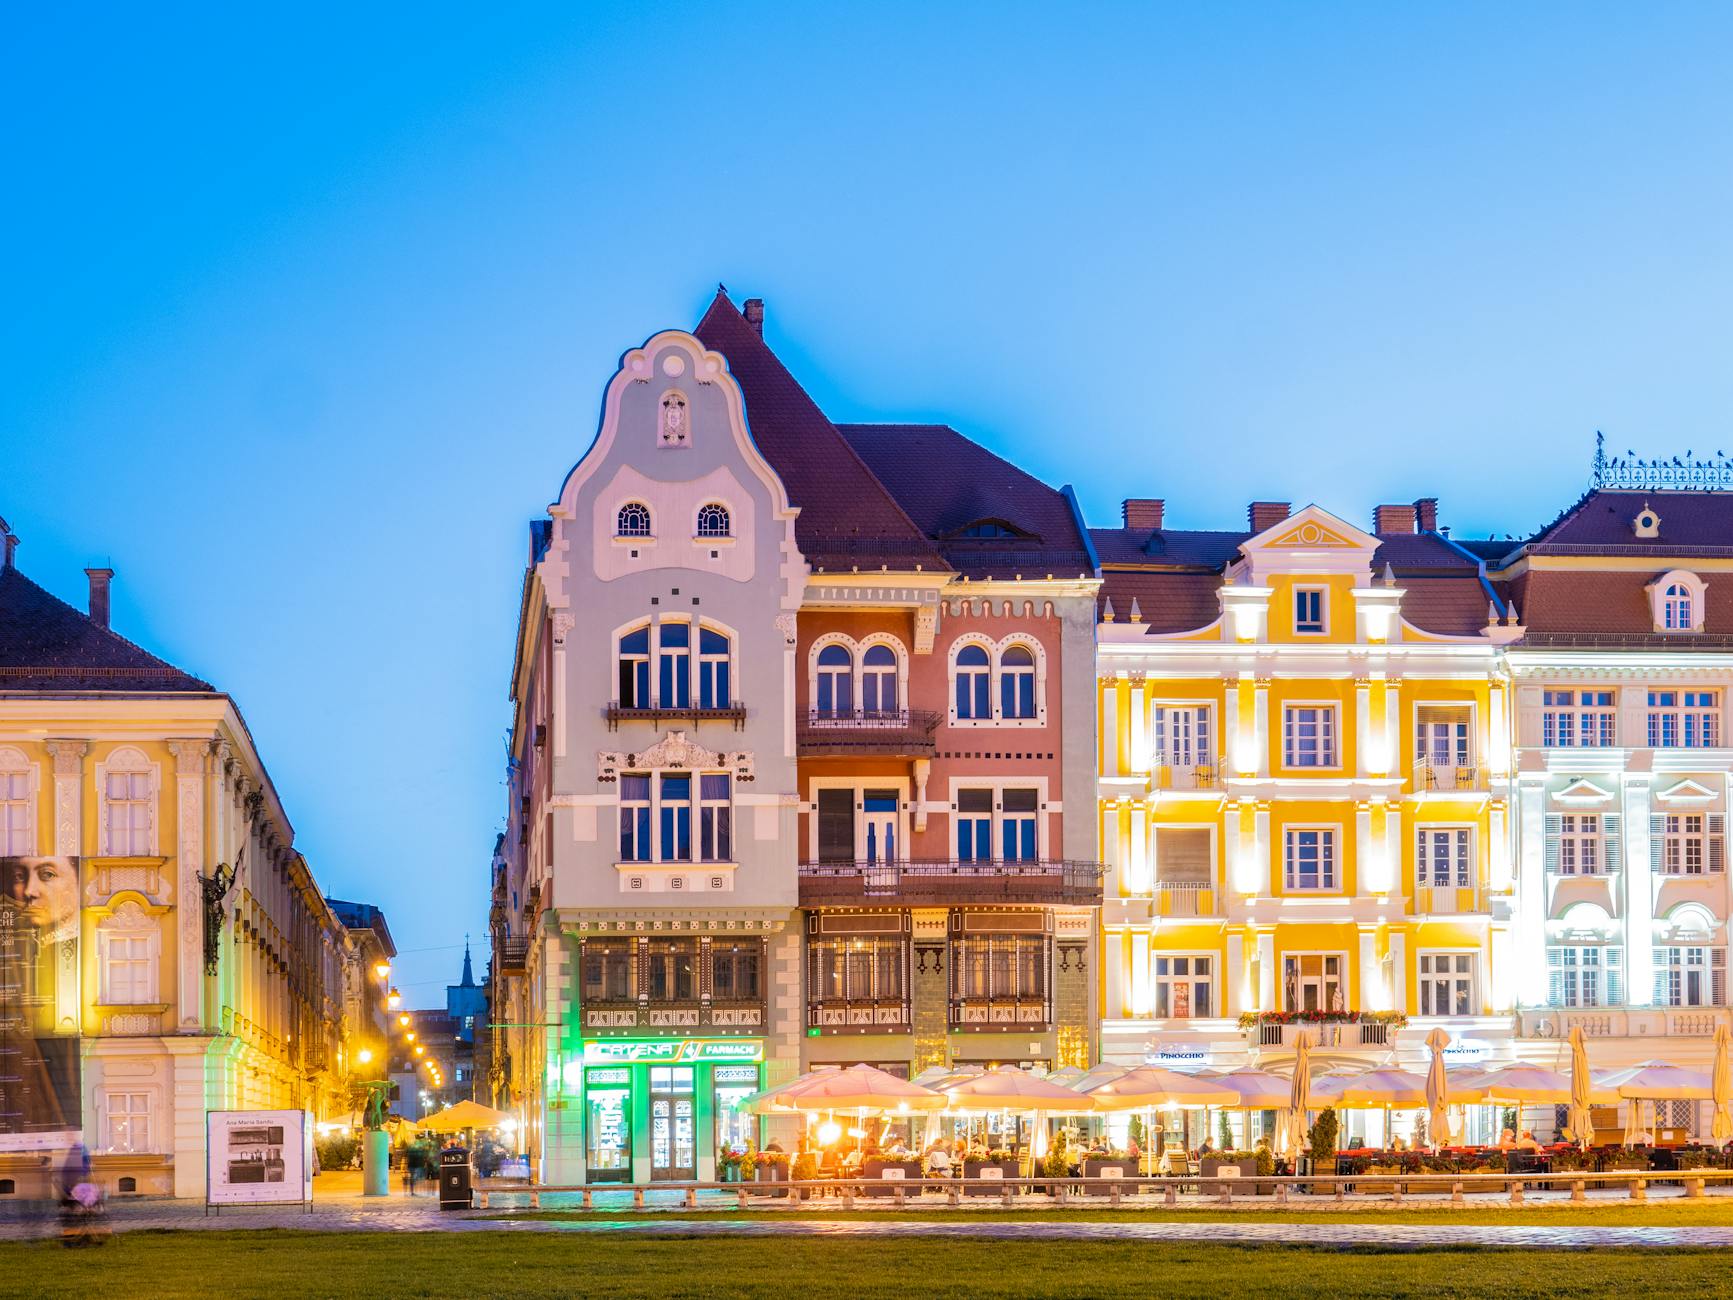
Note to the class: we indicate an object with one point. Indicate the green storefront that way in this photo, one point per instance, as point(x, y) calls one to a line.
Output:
point(659, 1109)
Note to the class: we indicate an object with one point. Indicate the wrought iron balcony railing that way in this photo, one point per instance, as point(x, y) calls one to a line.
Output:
point(894, 732)
point(941, 883)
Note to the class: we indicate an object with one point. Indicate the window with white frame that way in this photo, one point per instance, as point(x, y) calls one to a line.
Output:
point(834, 697)
point(17, 817)
point(1183, 986)
point(1314, 981)
point(1000, 825)
point(127, 1117)
point(1443, 735)
point(1309, 858)
point(1676, 608)
point(674, 665)
point(1180, 737)
point(1444, 856)
point(1575, 845)
point(713, 659)
point(974, 674)
point(1585, 975)
point(878, 681)
point(1684, 719)
point(661, 653)
point(1690, 976)
point(715, 818)
point(636, 844)
point(1578, 719)
point(128, 956)
point(1309, 611)
point(1447, 983)
point(1309, 735)
point(1018, 811)
point(633, 520)
point(676, 817)
point(1017, 682)
point(1687, 844)
point(713, 520)
point(974, 825)
point(129, 805)
point(634, 669)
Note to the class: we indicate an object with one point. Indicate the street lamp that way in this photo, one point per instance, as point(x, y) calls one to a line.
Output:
point(364, 1056)
point(383, 970)
point(403, 1019)
point(393, 1000)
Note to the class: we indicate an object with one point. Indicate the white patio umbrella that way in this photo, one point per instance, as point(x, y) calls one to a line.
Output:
point(1149, 1087)
point(1721, 1087)
point(1389, 1088)
point(1066, 1075)
point(861, 1088)
point(1290, 1127)
point(1582, 1090)
point(1012, 1090)
point(1097, 1074)
point(766, 1101)
point(1438, 1090)
point(1657, 1081)
point(1257, 1089)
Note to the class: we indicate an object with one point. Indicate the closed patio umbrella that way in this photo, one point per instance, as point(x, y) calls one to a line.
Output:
point(1582, 1091)
point(1438, 1090)
point(1291, 1126)
point(1721, 1088)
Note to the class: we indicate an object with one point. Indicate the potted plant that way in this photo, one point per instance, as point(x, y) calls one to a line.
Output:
point(1245, 1162)
point(1323, 1135)
point(1057, 1162)
point(769, 1167)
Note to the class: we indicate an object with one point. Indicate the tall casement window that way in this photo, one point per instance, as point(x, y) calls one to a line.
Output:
point(1309, 735)
point(1573, 719)
point(1309, 611)
point(1018, 809)
point(835, 682)
point(878, 682)
point(1676, 608)
point(1684, 719)
point(673, 969)
point(606, 971)
point(1183, 986)
point(683, 661)
point(836, 826)
point(1314, 981)
point(1447, 984)
point(1444, 856)
point(715, 823)
point(635, 669)
point(1017, 682)
point(676, 809)
point(673, 666)
point(1180, 738)
point(127, 1120)
point(660, 813)
point(737, 970)
point(1585, 975)
point(1691, 977)
point(712, 669)
point(129, 962)
point(633, 520)
point(1309, 858)
point(1582, 844)
point(17, 817)
point(129, 805)
point(974, 825)
point(1687, 844)
point(635, 843)
point(974, 678)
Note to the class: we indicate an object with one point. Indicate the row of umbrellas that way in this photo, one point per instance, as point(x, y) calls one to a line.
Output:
point(1109, 1089)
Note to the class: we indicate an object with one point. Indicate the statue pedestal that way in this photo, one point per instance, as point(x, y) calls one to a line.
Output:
point(376, 1163)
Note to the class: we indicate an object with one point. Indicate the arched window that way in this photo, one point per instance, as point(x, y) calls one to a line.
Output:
point(835, 697)
point(878, 681)
point(713, 520)
point(1676, 608)
point(974, 671)
point(1017, 683)
point(674, 666)
point(712, 670)
point(633, 520)
point(17, 819)
point(635, 668)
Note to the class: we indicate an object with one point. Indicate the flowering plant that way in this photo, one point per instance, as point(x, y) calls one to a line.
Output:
point(1252, 1019)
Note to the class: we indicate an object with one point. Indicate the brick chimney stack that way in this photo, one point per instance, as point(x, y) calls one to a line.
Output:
point(1267, 514)
point(8, 545)
point(1143, 513)
point(1393, 519)
point(1426, 514)
point(99, 581)
point(754, 313)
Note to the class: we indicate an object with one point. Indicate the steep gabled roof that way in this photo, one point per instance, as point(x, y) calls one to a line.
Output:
point(947, 483)
point(1692, 522)
point(47, 645)
point(847, 517)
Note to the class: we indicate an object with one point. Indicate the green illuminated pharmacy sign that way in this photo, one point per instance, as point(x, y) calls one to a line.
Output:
point(671, 1051)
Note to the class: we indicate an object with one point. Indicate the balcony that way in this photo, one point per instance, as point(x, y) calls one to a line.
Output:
point(1199, 776)
point(1451, 900)
point(1621, 1022)
point(1031, 1014)
point(694, 717)
point(1332, 1034)
point(606, 1017)
point(902, 733)
point(1433, 776)
point(514, 956)
point(1180, 899)
point(859, 1015)
point(947, 884)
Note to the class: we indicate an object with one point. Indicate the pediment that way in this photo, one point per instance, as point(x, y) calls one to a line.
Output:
point(1582, 791)
point(1310, 541)
point(1686, 791)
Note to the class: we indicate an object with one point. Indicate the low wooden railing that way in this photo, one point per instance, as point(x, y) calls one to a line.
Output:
point(1157, 1189)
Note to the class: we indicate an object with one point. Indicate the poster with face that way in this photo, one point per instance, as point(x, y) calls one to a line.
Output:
point(39, 1004)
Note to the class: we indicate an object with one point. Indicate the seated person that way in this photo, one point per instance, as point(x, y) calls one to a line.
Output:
point(1527, 1142)
point(1507, 1140)
point(1205, 1150)
point(1398, 1144)
point(939, 1160)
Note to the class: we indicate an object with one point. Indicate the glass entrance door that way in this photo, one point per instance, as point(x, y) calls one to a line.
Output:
point(880, 810)
point(673, 1124)
point(608, 1125)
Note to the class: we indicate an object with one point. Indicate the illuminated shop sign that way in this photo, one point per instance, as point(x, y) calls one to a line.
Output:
point(666, 1051)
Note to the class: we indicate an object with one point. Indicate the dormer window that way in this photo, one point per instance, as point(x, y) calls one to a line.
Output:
point(1647, 523)
point(1678, 602)
point(988, 528)
point(633, 520)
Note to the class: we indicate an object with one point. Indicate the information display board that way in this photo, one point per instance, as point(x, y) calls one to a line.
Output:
point(40, 1106)
point(258, 1157)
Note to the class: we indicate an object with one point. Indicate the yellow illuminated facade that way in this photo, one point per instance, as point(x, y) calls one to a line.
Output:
point(1303, 801)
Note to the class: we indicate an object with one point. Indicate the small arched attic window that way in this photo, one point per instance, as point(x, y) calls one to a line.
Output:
point(633, 520)
point(1678, 601)
point(713, 520)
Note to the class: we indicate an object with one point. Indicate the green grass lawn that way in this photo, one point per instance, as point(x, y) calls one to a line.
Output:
point(1709, 1212)
point(286, 1263)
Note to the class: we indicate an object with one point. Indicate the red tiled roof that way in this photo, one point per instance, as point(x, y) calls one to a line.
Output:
point(847, 517)
point(1184, 548)
point(946, 483)
point(1690, 521)
point(1167, 602)
point(1554, 602)
point(47, 645)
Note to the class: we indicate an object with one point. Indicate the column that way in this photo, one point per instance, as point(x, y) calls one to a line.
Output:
point(192, 762)
point(68, 796)
point(1374, 995)
point(1266, 971)
point(1498, 869)
point(1498, 732)
point(1137, 874)
point(1393, 877)
point(1110, 728)
point(1261, 849)
point(1368, 866)
point(1261, 725)
point(1113, 969)
point(1141, 991)
point(1364, 763)
point(1639, 892)
point(1140, 757)
point(1399, 972)
point(1393, 726)
point(1229, 738)
point(1234, 977)
point(1112, 848)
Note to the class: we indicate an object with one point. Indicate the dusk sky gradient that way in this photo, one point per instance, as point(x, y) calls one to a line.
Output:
point(309, 318)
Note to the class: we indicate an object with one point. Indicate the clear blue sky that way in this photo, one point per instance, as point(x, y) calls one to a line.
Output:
point(307, 318)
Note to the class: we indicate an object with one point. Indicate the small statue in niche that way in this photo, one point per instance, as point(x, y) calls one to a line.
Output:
point(675, 430)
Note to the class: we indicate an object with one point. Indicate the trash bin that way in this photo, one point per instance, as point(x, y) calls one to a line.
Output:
point(456, 1179)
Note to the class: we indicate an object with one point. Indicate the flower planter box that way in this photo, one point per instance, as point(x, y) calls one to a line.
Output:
point(1243, 1181)
point(989, 1173)
point(770, 1173)
point(1122, 1170)
point(908, 1171)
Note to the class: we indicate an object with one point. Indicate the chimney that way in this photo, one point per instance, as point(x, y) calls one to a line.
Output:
point(1267, 514)
point(99, 580)
point(8, 545)
point(754, 313)
point(1143, 514)
point(1426, 514)
point(1393, 519)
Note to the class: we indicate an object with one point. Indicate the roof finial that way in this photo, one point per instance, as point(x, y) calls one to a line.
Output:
point(1136, 613)
point(1107, 611)
point(1389, 575)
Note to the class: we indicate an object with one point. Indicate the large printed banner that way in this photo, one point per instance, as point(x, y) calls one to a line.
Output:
point(39, 1004)
point(258, 1157)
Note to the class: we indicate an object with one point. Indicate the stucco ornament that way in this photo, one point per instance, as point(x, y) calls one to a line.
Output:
point(674, 752)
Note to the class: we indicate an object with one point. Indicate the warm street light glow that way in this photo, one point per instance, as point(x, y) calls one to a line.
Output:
point(410, 1035)
point(364, 1056)
point(421, 1051)
point(829, 1132)
point(403, 1019)
point(393, 1001)
point(383, 970)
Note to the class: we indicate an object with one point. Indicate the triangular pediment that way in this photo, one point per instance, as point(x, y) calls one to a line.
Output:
point(1309, 541)
point(1686, 791)
point(1582, 790)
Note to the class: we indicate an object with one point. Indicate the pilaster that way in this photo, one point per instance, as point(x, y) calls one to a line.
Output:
point(68, 796)
point(192, 763)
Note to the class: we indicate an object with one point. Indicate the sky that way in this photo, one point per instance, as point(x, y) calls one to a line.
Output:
point(311, 311)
